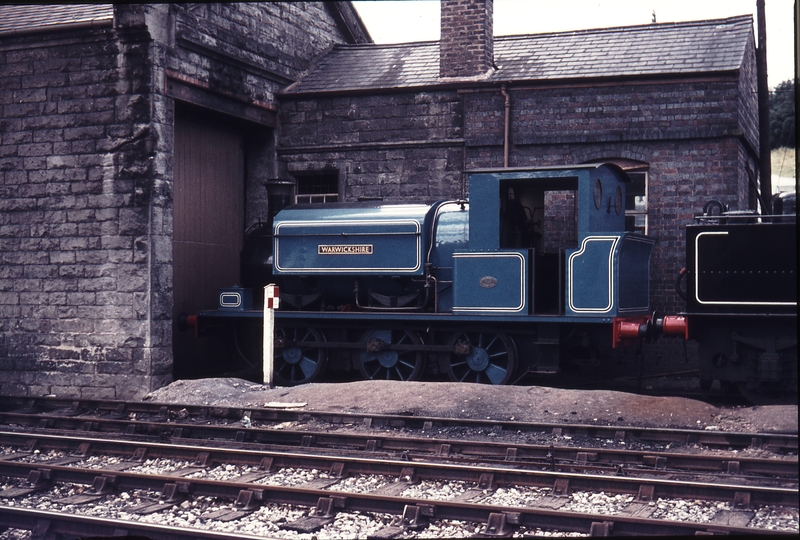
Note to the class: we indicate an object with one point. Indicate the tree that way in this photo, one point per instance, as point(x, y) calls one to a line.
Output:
point(782, 116)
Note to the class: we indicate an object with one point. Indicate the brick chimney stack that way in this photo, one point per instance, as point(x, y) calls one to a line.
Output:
point(466, 48)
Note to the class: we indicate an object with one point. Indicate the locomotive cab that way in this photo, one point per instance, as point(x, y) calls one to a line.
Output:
point(552, 241)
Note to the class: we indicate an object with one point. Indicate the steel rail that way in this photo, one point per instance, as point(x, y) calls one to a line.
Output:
point(342, 466)
point(554, 457)
point(781, 442)
point(48, 524)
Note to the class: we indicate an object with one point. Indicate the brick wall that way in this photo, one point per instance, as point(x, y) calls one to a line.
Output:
point(399, 147)
point(466, 47)
point(684, 176)
point(625, 112)
point(748, 97)
point(248, 50)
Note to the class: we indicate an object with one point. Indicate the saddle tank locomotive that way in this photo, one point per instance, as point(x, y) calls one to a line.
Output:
point(535, 269)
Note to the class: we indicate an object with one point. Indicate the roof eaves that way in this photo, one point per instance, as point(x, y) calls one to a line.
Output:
point(350, 21)
point(18, 19)
point(729, 21)
point(579, 79)
point(58, 27)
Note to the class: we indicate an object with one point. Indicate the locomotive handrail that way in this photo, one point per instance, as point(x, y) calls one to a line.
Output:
point(680, 292)
point(396, 233)
point(255, 226)
point(460, 202)
point(742, 217)
point(462, 349)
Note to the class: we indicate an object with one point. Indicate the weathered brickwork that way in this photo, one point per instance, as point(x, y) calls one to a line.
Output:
point(402, 147)
point(625, 112)
point(748, 96)
point(466, 47)
point(248, 50)
point(86, 163)
point(75, 251)
point(424, 116)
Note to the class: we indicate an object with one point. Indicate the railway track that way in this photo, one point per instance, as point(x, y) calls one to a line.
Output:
point(233, 465)
point(197, 416)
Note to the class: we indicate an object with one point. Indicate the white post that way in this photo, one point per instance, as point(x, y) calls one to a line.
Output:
point(271, 302)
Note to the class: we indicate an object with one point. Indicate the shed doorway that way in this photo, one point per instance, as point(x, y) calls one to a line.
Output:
point(208, 228)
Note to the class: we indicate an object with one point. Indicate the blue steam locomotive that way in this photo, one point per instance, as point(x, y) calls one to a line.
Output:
point(535, 269)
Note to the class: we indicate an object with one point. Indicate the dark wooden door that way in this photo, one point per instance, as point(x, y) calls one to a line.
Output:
point(208, 228)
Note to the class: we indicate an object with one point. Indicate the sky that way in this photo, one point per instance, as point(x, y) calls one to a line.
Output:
point(402, 21)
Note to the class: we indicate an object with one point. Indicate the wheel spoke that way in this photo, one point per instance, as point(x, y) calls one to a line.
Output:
point(501, 354)
point(495, 373)
point(405, 363)
point(308, 366)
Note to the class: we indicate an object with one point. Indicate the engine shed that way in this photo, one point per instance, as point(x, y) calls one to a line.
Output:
point(125, 132)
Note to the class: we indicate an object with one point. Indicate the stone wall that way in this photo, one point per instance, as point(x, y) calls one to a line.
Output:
point(87, 127)
point(75, 306)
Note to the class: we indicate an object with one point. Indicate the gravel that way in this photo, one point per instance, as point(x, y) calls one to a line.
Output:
point(363, 483)
point(442, 491)
point(597, 503)
point(695, 511)
point(292, 477)
point(481, 401)
point(266, 521)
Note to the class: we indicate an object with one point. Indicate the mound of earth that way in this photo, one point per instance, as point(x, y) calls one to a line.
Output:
point(477, 401)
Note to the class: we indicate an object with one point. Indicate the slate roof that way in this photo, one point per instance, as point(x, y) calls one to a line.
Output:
point(650, 50)
point(28, 17)
point(23, 18)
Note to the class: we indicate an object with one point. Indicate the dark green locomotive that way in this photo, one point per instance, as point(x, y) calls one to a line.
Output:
point(741, 301)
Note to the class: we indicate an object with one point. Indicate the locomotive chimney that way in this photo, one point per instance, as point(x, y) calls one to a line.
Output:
point(279, 196)
point(466, 47)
